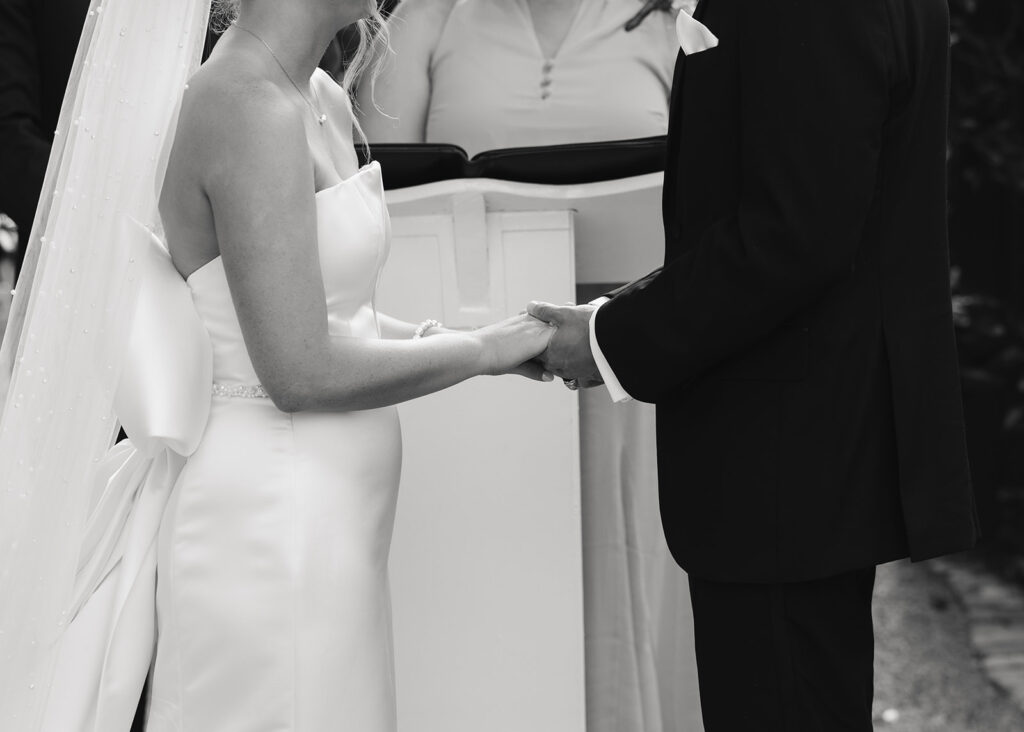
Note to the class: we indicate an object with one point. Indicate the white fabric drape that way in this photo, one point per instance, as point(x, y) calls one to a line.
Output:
point(63, 352)
point(641, 672)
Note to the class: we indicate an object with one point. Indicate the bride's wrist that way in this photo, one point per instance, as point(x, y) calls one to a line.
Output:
point(465, 351)
point(449, 330)
point(484, 356)
point(445, 330)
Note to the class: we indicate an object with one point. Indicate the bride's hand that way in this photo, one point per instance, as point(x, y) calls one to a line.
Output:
point(508, 347)
point(533, 370)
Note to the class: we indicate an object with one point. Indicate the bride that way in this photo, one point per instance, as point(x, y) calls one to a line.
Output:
point(271, 594)
point(272, 568)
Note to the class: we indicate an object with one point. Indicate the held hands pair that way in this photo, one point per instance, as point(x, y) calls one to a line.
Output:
point(568, 354)
point(543, 342)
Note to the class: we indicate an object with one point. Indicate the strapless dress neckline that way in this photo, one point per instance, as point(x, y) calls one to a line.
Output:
point(352, 239)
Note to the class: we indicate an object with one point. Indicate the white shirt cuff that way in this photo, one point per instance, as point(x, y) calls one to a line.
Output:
point(615, 390)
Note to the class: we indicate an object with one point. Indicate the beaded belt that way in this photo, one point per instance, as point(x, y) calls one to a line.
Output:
point(240, 390)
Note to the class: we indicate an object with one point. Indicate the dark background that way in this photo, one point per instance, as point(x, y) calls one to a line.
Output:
point(986, 196)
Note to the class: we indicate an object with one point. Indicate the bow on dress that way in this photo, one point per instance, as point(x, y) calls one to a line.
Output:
point(163, 402)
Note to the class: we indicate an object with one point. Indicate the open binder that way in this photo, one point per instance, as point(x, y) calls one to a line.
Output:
point(405, 165)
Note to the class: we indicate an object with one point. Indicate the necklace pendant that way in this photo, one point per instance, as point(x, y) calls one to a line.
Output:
point(322, 119)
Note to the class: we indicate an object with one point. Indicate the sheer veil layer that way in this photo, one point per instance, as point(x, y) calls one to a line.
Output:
point(62, 357)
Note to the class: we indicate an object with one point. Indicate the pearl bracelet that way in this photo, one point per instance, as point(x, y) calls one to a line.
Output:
point(424, 327)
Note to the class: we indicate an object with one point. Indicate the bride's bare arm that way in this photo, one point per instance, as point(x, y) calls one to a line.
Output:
point(394, 328)
point(258, 176)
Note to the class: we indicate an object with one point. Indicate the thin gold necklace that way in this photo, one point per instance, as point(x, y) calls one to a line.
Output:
point(321, 118)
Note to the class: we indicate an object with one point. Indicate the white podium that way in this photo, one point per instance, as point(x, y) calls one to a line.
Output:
point(486, 566)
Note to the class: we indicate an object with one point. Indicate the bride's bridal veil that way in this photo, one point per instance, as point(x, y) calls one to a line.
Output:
point(59, 364)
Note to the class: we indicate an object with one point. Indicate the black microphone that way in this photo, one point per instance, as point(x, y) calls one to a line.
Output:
point(649, 7)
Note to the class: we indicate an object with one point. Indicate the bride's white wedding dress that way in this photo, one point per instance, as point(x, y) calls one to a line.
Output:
point(273, 601)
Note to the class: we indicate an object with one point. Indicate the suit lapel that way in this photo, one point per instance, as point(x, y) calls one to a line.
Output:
point(677, 84)
point(668, 193)
point(672, 171)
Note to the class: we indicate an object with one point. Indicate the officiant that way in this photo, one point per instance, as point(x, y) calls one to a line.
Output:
point(493, 74)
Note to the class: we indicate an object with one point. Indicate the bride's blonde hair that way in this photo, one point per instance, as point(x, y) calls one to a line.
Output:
point(369, 57)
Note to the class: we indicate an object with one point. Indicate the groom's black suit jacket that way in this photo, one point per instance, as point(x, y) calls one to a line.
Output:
point(798, 341)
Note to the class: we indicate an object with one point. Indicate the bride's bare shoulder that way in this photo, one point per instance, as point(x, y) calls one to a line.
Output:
point(225, 99)
point(229, 112)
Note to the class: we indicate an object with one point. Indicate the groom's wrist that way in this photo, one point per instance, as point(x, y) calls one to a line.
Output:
point(615, 389)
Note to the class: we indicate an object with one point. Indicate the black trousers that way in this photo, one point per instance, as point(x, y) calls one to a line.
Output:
point(792, 657)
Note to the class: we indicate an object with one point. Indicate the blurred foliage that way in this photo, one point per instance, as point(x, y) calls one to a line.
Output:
point(987, 94)
point(986, 138)
point(990, 338)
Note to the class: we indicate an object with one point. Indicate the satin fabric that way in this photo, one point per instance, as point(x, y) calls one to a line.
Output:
point(162, 399)
point(60, 362)
point(273, 603)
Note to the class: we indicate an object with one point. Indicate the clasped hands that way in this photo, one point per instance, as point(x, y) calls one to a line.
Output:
point(568, 355)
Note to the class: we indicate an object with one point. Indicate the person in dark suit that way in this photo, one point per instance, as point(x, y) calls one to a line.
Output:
point(798, 343)
point(38, 41)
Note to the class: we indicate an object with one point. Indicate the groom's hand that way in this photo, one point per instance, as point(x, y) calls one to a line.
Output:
point(568, 355)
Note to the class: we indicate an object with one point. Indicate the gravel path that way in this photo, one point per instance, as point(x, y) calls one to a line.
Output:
point(927, 678)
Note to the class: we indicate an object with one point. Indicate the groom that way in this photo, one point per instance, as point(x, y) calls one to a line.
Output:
point(798, 343)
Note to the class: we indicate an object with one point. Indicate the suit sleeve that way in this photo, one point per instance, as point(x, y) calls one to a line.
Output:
point(24, 144)
point(813, 98)
point(632, 285)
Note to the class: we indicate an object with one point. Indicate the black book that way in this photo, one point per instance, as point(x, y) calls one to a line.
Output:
point(405, 165)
